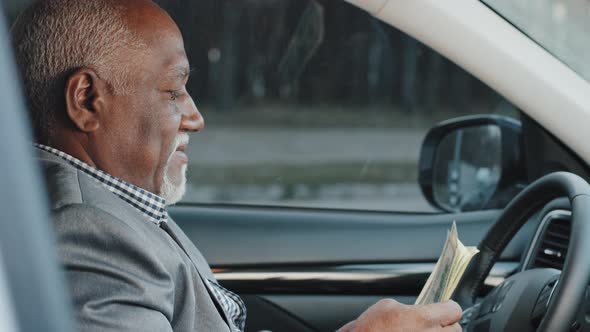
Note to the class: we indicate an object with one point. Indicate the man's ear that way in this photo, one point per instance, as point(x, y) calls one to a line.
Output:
point(85, 99)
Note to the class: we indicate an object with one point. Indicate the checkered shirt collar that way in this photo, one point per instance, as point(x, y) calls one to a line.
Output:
point(232, 304)
point(149, 204)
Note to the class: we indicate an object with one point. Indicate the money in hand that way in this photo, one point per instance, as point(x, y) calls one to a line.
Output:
point(448, 270)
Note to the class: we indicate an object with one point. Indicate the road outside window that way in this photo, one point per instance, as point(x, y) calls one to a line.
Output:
point(314, 104)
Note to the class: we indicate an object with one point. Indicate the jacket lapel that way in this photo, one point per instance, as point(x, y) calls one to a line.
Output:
point(96, 196)
point(198, 260)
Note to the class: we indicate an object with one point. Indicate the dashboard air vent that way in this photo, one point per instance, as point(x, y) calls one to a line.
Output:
point(554, 243)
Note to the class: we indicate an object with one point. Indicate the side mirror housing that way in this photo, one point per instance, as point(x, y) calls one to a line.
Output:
point(472, 163)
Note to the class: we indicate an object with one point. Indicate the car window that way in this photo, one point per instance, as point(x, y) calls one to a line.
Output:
point(561, 27)
point(314, 104)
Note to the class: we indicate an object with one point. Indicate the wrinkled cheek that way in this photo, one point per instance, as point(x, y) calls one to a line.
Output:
point(152, 160)
point(175, 169)
point(153, 156)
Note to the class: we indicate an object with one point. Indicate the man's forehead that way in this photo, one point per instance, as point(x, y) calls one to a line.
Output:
point(142, 13)
point(164, 45)
point(150, 22)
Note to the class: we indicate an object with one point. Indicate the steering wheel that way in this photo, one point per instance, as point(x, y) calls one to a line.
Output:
point(544, 300)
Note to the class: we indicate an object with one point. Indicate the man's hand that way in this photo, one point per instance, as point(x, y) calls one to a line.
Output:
point(392, 316)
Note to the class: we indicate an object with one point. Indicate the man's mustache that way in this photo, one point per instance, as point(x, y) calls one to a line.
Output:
point(179, 140)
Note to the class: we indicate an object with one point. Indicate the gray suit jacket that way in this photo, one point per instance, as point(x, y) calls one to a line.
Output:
point(125, 273)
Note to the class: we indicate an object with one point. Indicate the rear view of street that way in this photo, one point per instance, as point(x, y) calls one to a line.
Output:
point(358, 168)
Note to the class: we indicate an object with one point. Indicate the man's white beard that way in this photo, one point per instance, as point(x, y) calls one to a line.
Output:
point(170, 190)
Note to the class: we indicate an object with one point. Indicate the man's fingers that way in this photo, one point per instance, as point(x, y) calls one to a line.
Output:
point(452, 328)
point(445, 314)
point(348, 327)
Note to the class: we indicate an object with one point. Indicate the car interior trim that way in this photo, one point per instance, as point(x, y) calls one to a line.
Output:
point(259, 236)
point(552, 215)
point(8, 321)
point(387, 279)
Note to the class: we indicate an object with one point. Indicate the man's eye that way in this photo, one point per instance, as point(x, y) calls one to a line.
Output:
point(174, 94)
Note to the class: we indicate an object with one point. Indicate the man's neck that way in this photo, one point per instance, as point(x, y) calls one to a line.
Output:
point(72, 146)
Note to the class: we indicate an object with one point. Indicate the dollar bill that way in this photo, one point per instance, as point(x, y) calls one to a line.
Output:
point(449, 269)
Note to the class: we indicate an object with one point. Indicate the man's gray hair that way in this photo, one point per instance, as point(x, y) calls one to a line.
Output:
point(53, 38)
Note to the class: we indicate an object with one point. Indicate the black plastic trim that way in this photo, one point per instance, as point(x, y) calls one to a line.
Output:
point(361, 279)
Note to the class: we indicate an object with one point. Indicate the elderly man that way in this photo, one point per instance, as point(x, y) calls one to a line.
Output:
point(105, 83)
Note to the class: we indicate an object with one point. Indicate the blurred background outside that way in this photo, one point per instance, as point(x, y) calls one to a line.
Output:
point(318, 104)
point(334, 121)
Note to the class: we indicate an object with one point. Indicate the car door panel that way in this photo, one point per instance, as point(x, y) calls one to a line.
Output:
point(239, 236)
point(321, 312)
point(314, 270)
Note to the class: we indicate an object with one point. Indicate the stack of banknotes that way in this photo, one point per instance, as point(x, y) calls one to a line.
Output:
point(448, 270)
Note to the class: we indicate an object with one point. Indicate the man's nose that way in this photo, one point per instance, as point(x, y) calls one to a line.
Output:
point(192, 120)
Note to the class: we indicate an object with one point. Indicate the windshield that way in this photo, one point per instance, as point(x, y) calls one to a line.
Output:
point(561, 27)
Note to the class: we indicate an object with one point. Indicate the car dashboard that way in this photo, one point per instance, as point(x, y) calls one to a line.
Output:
point(549, 245)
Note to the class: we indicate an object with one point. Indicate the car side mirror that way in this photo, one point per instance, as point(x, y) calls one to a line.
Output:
point(472, 163)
